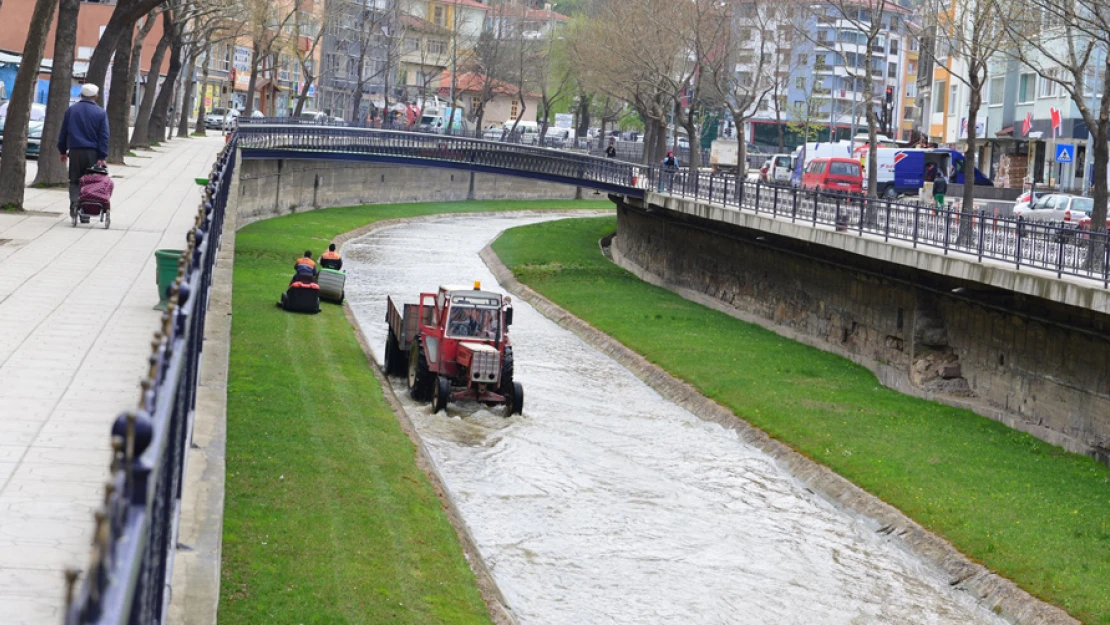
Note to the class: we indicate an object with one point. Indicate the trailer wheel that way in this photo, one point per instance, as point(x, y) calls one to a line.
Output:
point(506, 384)
point(396, 360)
point(420, 378)
point(515, 401)
point(442, 394)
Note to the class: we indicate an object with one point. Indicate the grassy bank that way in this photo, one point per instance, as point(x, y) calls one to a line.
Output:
point(1026, 509)
point(327, 520)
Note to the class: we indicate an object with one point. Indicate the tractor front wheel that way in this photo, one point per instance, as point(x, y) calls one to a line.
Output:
point(442, 394)
point(514, 403)
point(420, 377)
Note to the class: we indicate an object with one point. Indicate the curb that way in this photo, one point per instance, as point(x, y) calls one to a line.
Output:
point(998, 594)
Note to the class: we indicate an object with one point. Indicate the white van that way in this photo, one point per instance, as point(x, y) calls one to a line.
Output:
point(529, 131)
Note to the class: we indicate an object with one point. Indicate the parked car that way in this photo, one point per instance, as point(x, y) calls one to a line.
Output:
point(834, 174)
point(214, 119)
point(34, 139)
point(230, 118)
point(38, 112)
point(1057, 209)
point(313, 116)
point(777, 169)
point(557, 138)
point(1084, 223)
point(493, 133)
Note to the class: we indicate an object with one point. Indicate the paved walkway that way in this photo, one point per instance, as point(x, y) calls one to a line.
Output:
point(76, 322)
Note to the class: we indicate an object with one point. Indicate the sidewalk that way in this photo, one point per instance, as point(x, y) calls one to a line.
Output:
point(76, 322)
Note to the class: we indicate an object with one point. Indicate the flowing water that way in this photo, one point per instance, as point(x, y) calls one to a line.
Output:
point(605, 503)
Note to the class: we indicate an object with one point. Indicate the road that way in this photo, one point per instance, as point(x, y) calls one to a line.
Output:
point(605, 503)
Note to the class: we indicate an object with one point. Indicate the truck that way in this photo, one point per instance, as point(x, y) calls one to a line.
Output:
point(437, 119)
point(454, 345)
point(724, 154)
point(901, 171)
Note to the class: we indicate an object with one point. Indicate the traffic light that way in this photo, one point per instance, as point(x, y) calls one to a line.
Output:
point(889, 95)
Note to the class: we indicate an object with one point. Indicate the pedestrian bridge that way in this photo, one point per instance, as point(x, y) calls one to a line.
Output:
point(285, 139)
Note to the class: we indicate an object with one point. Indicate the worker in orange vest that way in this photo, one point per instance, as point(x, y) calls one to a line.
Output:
point(304, 269)
point(330, 259)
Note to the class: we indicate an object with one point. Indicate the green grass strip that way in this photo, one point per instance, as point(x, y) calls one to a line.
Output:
point(328, 520)
point(1024, 508)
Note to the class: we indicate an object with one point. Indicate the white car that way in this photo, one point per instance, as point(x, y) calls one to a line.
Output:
point(214, 119)
point(230, 119)
point(1056, 208)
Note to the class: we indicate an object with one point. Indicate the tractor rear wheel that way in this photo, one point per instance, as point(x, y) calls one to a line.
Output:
point(506, 384)
point(442, 394)
point(514, 402)
point(420, 377)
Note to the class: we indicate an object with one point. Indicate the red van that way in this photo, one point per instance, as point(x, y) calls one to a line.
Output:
point(834, 174)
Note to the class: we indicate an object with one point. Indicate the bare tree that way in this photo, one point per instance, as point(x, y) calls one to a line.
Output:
point(127, 61)
point(1071, 36)
point(749, 44)
point(872, 19)
point(139, 136)
point(13, 162)
point(311, 28)
point(485, 63)
point(52, 171)
point(159, 113)
point(122, 21)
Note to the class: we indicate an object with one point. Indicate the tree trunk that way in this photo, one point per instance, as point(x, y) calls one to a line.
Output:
point(160, 112)
point(303, 95)
point(202, 109)
point(13, 161)
point(123, 18)
point(583, 115)
point(52, 171)
point(1096, 253)
point(691, 135)
point(968, 201)
point(741, 152)
point(248, 108)
point(140, 137)
point(187, 100)
point(119, 101)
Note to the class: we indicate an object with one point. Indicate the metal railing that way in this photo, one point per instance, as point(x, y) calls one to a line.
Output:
point(1060, 248)
point(128, 578)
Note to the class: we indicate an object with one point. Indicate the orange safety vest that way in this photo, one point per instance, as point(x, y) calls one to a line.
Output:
point(329, 255)
point(305, 261)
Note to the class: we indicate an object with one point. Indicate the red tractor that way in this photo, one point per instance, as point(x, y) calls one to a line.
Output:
point(455, 345)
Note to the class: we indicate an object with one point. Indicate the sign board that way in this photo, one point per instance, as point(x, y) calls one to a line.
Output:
point(1065, 153)
point(980, 127)
point(563, 120)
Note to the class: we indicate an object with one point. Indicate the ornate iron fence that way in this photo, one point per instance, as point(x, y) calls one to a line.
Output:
point(127, 581)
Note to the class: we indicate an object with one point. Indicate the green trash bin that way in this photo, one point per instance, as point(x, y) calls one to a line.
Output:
point(166, 273)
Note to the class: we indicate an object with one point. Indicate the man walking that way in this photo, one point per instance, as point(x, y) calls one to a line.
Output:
point(83, 139)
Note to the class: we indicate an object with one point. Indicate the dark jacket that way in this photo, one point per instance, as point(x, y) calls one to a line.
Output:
point(85, 125)
point(611, 152)
point(940, 186)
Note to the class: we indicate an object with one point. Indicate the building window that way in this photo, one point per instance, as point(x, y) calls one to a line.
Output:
point(953, 98)
point(911, 68)
point(998, 84)
point(1049, 88)
point(800, 82)
point(892, 70)
point(412, 44)
point(440, 16)
point(911, 90)
point(475, 103)
point(908, 114)
point(437, 47)
point(803, 60)
point(514, 109)
point(1025, 87)
point(939, 93)
point(894, 46)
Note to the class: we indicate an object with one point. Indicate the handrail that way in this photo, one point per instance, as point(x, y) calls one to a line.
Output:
point(128, 578)
point(1063, 248)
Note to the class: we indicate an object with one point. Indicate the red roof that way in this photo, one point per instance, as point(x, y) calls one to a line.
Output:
point(475, 82)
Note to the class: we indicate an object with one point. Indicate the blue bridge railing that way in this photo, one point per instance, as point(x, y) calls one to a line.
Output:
point(1062, 248)
point(127, 581)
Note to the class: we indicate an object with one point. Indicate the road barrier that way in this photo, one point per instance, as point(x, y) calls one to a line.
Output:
point(128, 578)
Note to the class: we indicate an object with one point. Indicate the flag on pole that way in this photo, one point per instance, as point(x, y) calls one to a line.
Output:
point(1055, 113)
point(1028, 125)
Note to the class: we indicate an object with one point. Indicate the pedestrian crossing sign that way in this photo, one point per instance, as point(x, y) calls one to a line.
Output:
point(1065, 153)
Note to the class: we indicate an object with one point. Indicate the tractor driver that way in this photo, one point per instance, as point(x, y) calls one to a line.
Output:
point(460, 323)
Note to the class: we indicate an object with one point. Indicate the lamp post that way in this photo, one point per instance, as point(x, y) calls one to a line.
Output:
point(454, 61)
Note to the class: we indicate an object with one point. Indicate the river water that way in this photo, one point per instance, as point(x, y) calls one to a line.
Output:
point(605, 503)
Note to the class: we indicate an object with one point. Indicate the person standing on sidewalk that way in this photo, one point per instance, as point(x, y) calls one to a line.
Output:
point(83, 139)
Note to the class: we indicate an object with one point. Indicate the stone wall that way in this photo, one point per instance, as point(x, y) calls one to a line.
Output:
point(1039, 366)
point(278, 187)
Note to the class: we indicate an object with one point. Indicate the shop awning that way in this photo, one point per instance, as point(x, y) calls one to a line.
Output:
point(1008, 131)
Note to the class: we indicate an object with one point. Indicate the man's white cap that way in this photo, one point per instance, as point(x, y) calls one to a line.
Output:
point(89, 90)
